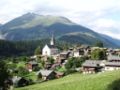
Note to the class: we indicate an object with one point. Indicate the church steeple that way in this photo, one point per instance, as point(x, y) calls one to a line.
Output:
point(52, 42)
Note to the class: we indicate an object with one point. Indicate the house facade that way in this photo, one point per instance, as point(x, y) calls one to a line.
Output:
point(113, 63)
point(31, 65)
point(92, 66)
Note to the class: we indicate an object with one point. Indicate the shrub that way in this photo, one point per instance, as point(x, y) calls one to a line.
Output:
point(22, 71)
point(115, 85)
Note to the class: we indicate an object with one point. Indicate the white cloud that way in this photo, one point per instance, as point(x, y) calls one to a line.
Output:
point(99, 15)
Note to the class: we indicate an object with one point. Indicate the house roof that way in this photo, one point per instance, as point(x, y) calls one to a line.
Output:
point(15, 79)
point(45, 72)
point(65, 52)
point(116, 64)
point(91, 63)
point(113, 57)
point(33, 62)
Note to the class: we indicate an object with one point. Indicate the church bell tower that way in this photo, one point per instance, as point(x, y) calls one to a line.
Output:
point(52, 42)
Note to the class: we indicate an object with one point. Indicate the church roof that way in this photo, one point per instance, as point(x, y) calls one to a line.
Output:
point(52, 46)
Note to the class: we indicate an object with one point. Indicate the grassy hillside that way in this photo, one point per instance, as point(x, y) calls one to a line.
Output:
point(78, 81)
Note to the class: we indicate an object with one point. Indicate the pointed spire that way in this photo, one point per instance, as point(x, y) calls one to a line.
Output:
point(52, 42)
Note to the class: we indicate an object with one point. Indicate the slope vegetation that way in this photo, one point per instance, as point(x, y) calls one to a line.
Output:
point(78, 81)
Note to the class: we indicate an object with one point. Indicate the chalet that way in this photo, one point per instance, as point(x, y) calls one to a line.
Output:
point(110, 66)
point(31, 65)
point(78, 52)
point(61, 57)
point(113, 63)
point(64, 54)
point(20, 81)
point(113, 58)
point(92, 66)
point(51, 49)
point(47, 74)
point(87, 50)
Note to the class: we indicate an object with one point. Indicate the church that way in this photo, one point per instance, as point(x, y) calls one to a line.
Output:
point(50, 49)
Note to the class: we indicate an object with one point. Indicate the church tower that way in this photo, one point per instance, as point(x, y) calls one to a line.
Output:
point(52, 42)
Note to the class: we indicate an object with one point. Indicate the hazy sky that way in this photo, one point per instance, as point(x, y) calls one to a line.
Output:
point(100, 15)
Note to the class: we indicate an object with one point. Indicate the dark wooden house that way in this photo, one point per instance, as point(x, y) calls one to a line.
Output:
point(31, 65)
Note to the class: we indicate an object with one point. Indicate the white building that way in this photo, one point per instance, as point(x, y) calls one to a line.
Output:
point(76, 53)
point(51, 49)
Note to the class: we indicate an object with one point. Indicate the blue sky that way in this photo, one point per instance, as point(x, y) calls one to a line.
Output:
point(102, 16)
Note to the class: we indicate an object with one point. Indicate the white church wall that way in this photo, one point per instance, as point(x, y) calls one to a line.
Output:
point(46, 51)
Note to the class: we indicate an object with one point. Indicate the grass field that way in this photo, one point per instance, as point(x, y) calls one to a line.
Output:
point(77, 81)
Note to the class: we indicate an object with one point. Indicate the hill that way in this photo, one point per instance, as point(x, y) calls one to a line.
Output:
point(32, 26)
point(78, 81)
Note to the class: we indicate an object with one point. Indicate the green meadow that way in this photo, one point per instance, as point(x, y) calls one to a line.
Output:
point(77, 81)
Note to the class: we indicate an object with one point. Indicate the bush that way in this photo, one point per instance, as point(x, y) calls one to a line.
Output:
point(115, 85)
point(70, 71)
point(74, 63)
point(51, 60)
point(22, 71)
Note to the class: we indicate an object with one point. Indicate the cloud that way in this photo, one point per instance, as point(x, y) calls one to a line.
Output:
point(99, 15)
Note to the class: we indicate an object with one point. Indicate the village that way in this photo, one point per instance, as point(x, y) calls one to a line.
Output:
point(57, 64)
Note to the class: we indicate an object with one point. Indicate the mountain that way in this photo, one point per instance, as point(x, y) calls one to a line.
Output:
point(0, 25)
point(113, 40)
point(32, 26)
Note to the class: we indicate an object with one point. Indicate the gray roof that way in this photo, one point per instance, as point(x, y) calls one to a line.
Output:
point(91, 63)
point(33, 62)
point(65, 52)
point(52, 46)
point(116, 64)
point(15, 79)
point(45, 72)
point(113, 57)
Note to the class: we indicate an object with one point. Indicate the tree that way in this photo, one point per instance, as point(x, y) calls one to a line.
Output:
point(74, 63)
point(51, 60)
point(99, 44)
point(4, 74)
point(39, 77)
point(12, 66)
point(38, 51)
point(98, 54)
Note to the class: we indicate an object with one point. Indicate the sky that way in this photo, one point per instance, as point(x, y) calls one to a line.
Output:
point(102, 16)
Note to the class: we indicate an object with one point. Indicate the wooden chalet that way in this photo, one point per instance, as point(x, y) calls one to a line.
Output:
point(92, 66)
point(31, 65)
point(47, 74)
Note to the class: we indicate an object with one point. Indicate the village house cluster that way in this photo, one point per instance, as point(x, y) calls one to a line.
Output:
point(112, 61)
